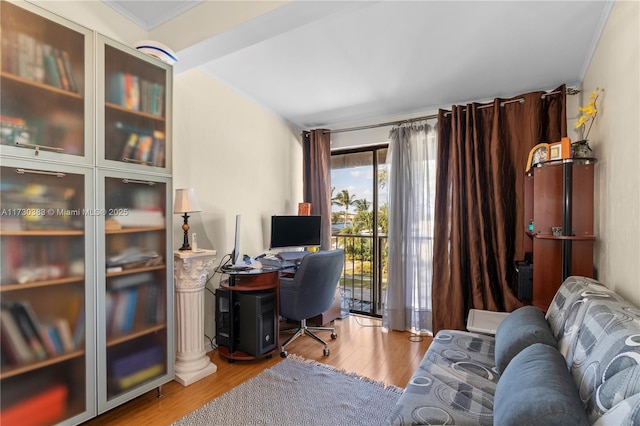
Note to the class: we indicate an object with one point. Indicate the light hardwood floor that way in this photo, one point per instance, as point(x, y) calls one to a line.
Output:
point(362, 347)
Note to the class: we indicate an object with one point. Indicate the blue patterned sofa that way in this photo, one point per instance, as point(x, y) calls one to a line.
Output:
point(579, 364)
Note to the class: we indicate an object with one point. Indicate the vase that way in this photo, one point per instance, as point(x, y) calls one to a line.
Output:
point(580, 149)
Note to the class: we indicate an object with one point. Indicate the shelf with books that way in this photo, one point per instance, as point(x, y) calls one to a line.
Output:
point(135, 284)
point(137, 138)
point(41, 52)
point(46, 261)
point(134, 302)
point(135, 90)
point(134, 362)
point(44, 76)
point(33, 338)
point(36, 260)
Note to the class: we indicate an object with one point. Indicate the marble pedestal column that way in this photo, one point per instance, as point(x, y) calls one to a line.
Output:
point(190, 274)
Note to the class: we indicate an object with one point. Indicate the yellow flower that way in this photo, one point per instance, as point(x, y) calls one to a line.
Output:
point(581, 121)
point(590, 109)
point(589, 113)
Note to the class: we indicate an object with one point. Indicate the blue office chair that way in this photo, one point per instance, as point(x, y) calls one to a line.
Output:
point(310, 292)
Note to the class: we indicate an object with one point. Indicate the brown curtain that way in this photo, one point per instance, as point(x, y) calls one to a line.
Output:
point(479, 211)
point(316, 152)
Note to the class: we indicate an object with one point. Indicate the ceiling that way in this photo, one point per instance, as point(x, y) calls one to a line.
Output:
point(332, 63)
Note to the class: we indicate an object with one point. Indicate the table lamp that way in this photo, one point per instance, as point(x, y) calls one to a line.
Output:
point(185, 202)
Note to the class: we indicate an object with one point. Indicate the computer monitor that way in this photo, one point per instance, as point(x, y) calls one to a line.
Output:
point(295, 231)
point(235, 254)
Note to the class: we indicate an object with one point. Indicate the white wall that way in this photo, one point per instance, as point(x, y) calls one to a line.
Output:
point(240, 159)
point(615, 139)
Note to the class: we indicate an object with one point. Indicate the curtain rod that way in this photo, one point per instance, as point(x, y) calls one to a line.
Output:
point(426, 117)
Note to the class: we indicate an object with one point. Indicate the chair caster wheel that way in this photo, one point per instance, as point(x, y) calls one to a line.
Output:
point(283, 354)
point(326, 352)
point(334, 336)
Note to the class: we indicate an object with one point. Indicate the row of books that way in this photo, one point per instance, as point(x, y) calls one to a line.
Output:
point(26, 260)
point(131, 368)
point(25, 56)
point(133, 299)
point(142, 145)
point(27, 339)
point(133, 92)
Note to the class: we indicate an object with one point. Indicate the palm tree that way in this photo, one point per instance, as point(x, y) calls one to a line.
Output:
point(363, 218)
point(344, 199)
point(362, 205)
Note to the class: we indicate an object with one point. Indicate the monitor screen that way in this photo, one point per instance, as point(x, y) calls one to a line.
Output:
point(235, 254)
point(295, 231)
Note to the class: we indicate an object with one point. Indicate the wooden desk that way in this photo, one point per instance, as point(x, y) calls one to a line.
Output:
point(251, 281)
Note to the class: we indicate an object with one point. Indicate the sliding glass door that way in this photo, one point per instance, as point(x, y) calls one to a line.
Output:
point(359, 226)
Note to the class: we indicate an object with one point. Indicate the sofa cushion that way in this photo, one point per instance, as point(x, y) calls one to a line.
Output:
point(608, 343)
point(568, 307)
point(536, 389)
point(519, 330)
point(454, 383)
point(613, 391)
point(624, 413)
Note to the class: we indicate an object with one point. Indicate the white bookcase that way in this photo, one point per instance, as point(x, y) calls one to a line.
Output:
point(85, 229)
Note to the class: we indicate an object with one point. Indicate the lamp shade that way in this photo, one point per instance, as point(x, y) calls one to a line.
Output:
point(186, 201)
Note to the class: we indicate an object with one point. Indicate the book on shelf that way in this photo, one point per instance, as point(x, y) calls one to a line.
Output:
point(126, 364)
point(123, 383)
point(30, 327)
point(17, 348)
point(124, 310)
point(31, 59)
point(135, 93)
point(69, 71)
point(64, 332)
point(46, 406)
point(51, 340)
point(152, 302)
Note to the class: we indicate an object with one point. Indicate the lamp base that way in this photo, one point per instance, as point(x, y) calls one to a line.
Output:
point(185, 228)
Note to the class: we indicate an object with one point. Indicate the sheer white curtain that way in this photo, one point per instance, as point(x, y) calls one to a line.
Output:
point(412, 171)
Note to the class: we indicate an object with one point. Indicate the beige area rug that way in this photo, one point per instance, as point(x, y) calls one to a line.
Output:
point(299, 392)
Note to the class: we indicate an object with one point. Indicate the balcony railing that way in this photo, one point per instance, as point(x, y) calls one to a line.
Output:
point(364, 278)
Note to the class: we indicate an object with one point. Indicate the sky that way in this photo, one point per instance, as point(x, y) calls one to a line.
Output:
point(358, 181)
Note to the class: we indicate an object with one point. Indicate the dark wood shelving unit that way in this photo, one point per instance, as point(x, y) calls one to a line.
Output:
point(560, 194)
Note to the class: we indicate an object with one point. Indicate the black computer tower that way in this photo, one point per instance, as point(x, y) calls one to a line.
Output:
point(257, 323)
point(524, 271)
point(223, 318)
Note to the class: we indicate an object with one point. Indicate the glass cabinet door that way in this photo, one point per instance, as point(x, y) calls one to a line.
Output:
point(134, 93)
point(46, 100)
point(135, 307)
point(46, 255)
